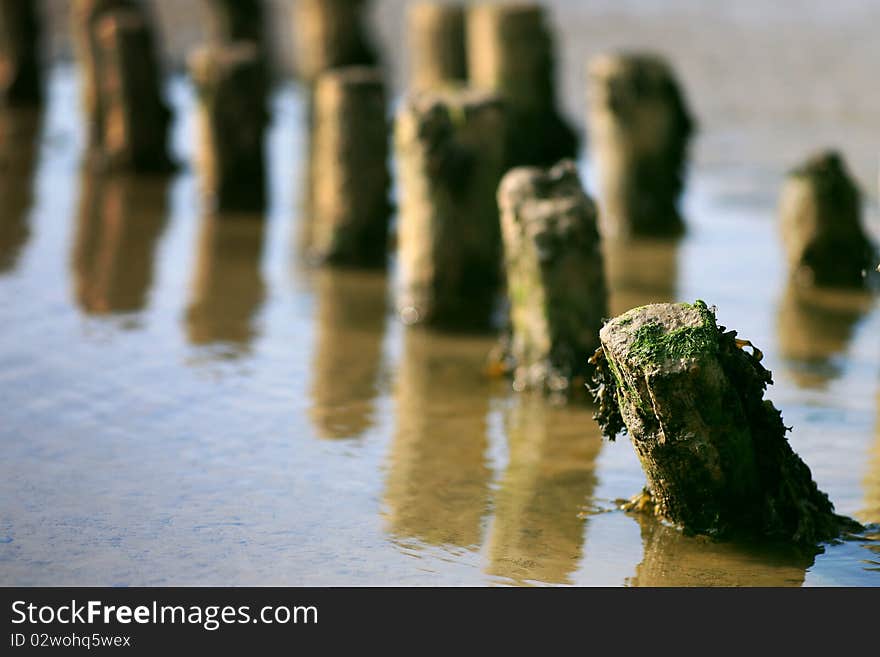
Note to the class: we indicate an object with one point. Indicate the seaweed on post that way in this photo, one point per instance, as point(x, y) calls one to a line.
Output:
point(691, 397)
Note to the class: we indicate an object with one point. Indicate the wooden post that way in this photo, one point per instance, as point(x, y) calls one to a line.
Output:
point(133, 115)
point(331, 34)
point(555, 276)
point(84, 16)
point(821, 222)
point(450, 158)
point(714, 451)
point(639, 127)
point(437, 45)
point(228, 287)
point(237, 20)
point(21, 75)
point(510, 51)
point(350, 182)
point(232, 124)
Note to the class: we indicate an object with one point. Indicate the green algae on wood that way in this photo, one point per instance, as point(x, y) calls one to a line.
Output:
point(714, 451)
point(555, 276)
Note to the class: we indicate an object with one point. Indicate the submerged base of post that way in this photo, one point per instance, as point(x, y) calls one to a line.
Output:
point(714, 451)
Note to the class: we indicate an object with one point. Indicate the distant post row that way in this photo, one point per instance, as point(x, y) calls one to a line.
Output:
point(479, 129)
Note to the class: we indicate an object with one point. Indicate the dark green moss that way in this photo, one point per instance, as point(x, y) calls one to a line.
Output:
point(652, 345)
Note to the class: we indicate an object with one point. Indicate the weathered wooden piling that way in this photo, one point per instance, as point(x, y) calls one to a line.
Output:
point(134, 115)
point(349, 202)
point(437, 45)
point(237, 20)
point(232, 124)
point(127, 118)
point(713, 449)
point(331, 34)
point(639, 127)
point(84, 17)
point(510, 51)
point(450, 158)
point(821, 221)
point(21, 75)
point(100, 72)
point(228, 287)
point(555, 276)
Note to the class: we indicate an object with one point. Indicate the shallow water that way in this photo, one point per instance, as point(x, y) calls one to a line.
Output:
point(185, 402)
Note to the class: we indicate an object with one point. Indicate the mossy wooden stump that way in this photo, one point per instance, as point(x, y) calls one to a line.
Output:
point(821, 222)
point(232, 124)
point(330, 34)
point(21, 75)
point(639, 127)
point(511, 51)
point(450, 158)
point(437, 44)
point(350, 180)
point(714, 451)
point(555, 276)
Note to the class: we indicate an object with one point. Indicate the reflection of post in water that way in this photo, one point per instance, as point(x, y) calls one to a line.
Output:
point(228, 288)
point(872, 479)
point(348, 353)
point(640, 271)
point(119, 224)
point(672, 558)
point(815, 325)
point(19, 129)
point(437, 489)
point(538, 530)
